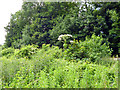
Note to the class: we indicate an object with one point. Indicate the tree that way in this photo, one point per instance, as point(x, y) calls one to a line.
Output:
point(110, 12)
point(38, 23)
point(17, 23)
point(32, 24)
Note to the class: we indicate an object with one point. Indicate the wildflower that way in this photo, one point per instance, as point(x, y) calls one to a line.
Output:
point(69, 35)
point(59, 38)
point(62, 36)
point(71, 41)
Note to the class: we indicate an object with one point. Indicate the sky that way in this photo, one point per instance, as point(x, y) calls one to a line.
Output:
point(7, 7)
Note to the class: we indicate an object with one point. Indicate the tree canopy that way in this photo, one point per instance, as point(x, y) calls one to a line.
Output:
point(39, 23)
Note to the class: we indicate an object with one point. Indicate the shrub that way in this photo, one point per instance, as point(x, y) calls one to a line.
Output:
point(53, 51)
point(26, 51)
point(7, 52)
point(91, 49)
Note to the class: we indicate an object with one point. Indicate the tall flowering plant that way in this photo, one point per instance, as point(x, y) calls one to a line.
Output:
point(65, 38)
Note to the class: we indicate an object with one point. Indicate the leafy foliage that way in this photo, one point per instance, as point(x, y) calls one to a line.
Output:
point(57, 73)
point(110, 12)
point(39, 51)
point(39, 23)
point(26, 51)
point(32, 24)
point(46, 67)
point(90, 49)
point(7, 52)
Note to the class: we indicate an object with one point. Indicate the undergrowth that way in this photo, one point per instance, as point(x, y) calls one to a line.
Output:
point(51, 67)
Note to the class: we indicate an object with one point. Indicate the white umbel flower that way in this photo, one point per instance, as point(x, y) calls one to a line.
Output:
point(71, 41)
point(62, 36)
point(69, 35)
point(59, 39)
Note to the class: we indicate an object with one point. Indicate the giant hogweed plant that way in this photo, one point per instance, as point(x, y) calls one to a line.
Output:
point(66, 38)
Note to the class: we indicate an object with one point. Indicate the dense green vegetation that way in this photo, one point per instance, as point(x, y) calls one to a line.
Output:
point(39, 23)
point(74, 66)
point(62, 45)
